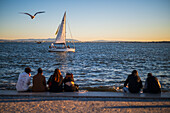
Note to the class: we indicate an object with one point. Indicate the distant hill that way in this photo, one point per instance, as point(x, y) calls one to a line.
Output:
point(105, 41)
point(1, 40)
point(37, 40)
point(70, 40)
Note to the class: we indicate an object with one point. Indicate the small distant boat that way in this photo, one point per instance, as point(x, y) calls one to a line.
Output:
point(39, 42)
point(60, 42)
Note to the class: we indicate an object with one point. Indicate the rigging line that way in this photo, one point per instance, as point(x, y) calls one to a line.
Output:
point(70, 33)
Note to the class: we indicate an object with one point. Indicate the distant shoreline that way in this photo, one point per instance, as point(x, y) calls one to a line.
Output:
point(76, 41)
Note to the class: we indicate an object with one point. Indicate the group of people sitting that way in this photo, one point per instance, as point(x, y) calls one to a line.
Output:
point(134, 82)
point(55, 82)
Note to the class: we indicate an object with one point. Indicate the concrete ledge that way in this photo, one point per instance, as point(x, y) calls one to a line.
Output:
point(85, 94)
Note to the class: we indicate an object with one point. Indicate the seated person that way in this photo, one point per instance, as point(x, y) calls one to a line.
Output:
point(55, 82)
point(69, 85)
point(152, 85)
point(134, 83)
point(24, 80)
point(39, 82)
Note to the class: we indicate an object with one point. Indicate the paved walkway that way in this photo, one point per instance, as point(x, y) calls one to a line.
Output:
point(83, 102)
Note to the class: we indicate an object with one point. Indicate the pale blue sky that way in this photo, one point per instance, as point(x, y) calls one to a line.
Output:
point(124, 20)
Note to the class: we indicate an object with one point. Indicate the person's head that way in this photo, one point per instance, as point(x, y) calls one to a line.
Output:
point(69, 75)
point(134, 72)
point(57, 75)
point(57, 71)
point(28, 70)
point(40, 70)
point(149, 74)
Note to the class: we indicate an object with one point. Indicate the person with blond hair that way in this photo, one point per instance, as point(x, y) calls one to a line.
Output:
point(55, 82)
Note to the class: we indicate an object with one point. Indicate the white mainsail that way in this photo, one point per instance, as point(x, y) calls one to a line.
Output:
point(60, 42)
point(61, 35)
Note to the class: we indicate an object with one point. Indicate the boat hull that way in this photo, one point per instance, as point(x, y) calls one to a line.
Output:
point(61, 50)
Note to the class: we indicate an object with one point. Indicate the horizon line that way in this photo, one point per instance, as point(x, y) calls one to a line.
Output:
point(88, 40)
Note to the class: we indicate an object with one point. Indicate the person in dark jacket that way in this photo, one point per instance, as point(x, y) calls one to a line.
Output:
point(134, 82)
point(152, 84)
point(39, 82)
point(55, 82)
point(69, 85)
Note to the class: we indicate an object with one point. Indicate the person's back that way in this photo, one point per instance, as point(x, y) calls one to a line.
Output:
point(24, 80)
point(39, 82)
point(55, 82)
point(134, 82)
point(69, 85)
point(152, 84)
point(55, 86)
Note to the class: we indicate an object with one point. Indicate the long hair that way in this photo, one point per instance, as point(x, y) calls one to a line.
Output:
point(149, 74)
point(135, 72)
point(57, 75)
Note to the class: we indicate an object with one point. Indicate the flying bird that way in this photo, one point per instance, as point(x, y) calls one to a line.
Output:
point(32, 17)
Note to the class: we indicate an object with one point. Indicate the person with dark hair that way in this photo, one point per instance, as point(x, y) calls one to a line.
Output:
point(69, 85)
point(24, 80)
point(134, 82)
point(55, 82)
point(152, 84)
point(39, 82)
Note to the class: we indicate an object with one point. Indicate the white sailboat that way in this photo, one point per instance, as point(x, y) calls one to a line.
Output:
point(60, 42)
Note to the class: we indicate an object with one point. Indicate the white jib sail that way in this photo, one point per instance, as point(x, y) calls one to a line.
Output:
point(61, 35)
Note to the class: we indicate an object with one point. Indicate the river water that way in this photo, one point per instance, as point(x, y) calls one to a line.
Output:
point(93, 64)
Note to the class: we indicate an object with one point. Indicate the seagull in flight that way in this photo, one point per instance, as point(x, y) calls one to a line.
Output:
point(32, 17)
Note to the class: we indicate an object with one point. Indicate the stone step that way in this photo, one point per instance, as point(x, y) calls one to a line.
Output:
point(86, 94)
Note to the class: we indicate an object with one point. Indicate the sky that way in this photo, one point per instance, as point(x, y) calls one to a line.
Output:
point(113, 20)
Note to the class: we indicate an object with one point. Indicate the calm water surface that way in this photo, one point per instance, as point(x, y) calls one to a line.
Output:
point(93, 64)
